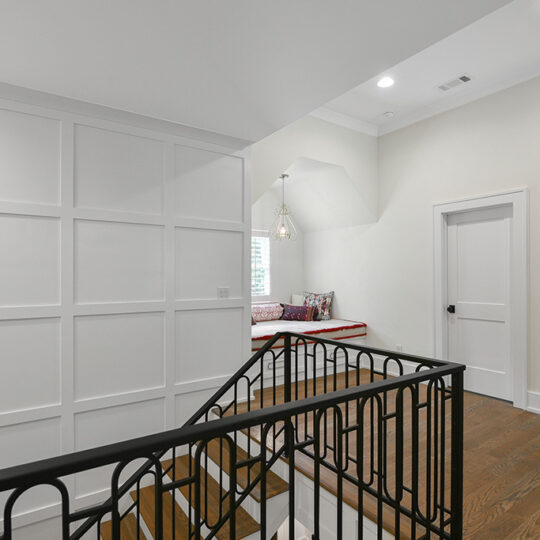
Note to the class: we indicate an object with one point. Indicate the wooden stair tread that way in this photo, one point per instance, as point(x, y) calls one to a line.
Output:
point(128, 529)
point(274, 484)
point(147, 508)
point(245, 524)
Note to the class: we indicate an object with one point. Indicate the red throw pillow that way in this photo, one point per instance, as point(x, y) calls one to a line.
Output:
point(298, 313)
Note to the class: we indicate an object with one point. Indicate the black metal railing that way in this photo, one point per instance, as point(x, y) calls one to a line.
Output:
point(381, 431)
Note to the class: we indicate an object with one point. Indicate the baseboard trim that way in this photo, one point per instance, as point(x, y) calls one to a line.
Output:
point(533, 402)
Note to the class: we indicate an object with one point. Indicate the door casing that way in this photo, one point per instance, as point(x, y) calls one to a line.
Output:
point(519, 266)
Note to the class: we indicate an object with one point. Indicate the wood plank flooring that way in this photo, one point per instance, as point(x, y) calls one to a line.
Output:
point(501, 466)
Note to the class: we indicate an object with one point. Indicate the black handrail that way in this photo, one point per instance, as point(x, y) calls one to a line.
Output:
point(155, 446)
point(45, 469)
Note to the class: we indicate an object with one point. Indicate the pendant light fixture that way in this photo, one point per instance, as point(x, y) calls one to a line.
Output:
point(283, 227)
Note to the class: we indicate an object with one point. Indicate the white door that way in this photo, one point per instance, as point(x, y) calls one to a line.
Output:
point(478, 298)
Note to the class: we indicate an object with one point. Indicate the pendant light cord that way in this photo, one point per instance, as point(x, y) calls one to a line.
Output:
point(283, 176)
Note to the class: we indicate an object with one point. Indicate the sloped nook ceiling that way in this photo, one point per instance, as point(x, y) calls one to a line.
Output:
point(322, 196)
point(244, 68)
point(333, 173)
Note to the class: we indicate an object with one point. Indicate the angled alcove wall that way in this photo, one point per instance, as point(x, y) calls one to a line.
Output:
point(286, 257)
point(331, 185)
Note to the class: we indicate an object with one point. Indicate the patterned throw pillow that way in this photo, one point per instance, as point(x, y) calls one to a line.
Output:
point(272, 311)
point(298, 313)
point(323, 303)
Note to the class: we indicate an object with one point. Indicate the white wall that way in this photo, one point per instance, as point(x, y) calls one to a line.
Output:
point(384, 275)
point(114, 240)
point(286, 257)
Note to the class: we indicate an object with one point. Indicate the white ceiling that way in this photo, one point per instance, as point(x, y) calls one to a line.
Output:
point(240, 67)
point(497, 51)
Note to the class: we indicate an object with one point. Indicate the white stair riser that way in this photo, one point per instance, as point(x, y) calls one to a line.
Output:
point(253, 508)
point(205, 531)
point(253, 448)
point(305, 491)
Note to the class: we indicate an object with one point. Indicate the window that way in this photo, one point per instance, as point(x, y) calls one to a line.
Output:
point(260, 265)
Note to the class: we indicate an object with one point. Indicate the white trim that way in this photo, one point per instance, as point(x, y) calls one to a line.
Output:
point(519, 316)
point(345, 120)
point(533, 402)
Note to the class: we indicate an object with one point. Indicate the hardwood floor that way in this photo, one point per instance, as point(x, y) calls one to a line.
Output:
point(501, 469)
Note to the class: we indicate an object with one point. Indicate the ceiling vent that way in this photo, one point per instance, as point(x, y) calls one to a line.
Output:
point(454, 83)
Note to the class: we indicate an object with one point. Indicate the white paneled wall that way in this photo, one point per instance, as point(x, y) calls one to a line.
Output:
point(114, 241)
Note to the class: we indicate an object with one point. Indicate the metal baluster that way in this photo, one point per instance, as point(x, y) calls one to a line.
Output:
point(317, 473)
point(287, 388)
point(456, 526)
point(198, 494)
point(429, 421)
point(399, 460)
point(289, 441)
point(232, 488)
point(191, 530)
point(414, 465)
point(115, 514)
point(338, 461)
point(443, 457)
point(360, 408)
point(138, 509)
point(380, 412)
point(173, 498)
point(264, 471)
point(159, 502)
point(435, 450)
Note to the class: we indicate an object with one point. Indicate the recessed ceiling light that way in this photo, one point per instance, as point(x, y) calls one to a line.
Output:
point(388, 114)
point(385, 82)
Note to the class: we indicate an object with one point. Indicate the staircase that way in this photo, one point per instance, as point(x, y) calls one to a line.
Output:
point(350, 441)
point(214, 480)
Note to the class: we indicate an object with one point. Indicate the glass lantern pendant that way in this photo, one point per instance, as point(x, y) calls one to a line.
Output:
point(283, 227)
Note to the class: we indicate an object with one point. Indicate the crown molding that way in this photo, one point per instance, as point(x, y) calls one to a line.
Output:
point(345, 120)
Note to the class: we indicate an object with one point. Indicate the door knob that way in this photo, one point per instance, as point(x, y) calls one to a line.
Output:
point(451, 308)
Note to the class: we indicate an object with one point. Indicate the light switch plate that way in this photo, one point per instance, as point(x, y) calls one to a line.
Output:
point(223, 292)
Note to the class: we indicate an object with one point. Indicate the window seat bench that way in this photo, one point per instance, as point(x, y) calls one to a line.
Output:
point(337, 329)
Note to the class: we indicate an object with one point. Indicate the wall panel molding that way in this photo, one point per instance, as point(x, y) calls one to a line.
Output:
point(94, 256)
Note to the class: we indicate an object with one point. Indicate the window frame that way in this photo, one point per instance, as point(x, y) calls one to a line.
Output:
point(262, 297)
